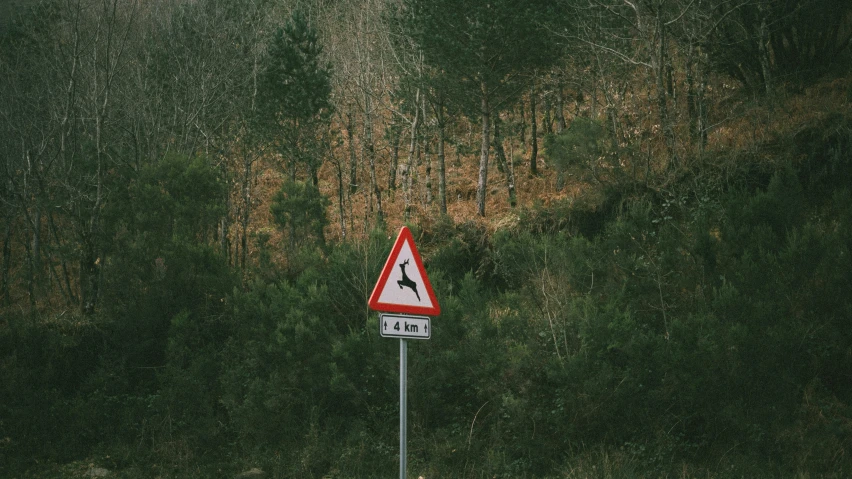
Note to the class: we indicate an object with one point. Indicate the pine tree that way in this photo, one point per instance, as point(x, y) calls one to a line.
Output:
point(294, 93)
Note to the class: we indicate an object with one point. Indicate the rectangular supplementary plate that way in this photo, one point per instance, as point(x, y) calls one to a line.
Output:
point(405, 326)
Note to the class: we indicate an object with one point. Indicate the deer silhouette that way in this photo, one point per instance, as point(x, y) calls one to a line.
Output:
point(406, 281)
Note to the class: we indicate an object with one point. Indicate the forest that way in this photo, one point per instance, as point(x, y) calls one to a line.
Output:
point(636, 216)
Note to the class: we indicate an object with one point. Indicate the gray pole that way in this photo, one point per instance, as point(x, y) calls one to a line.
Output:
point(403, 406)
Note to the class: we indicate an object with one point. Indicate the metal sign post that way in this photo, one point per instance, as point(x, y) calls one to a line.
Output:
point(409, 292)
point(403, 407)
point(404, 326)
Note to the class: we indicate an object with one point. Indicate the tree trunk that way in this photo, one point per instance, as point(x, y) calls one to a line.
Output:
point(353, 162)
point(691, 104)
point(65, 283)
point(522, 130)
point(368, 197)
point(546, 121)
point(246, 211)
point(442, 171)
point(90, 251)
point(7, 262)
point(291, 228)
point(36, 244)
point(593, 97)
point(31, 281)
point(427, 157)
point(243, 244)
point(482, 184)
point(501, 157)
point(696, 109)
point(293, 164)
point(353, 169)
point(533, 131)
point(406, 172)
point(560, 107)
point(371, 158)
point(90, 258)
point(313, 171)
point(89, 275)
point(340, 200)
point(428, 160)
point(396, 135)
point(763, 49)
point(225, 221)
point(701, 104)
point(662, 93)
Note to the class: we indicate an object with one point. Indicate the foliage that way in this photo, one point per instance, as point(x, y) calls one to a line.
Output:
point(804, 39)
point(482, 47)
point(295, 85)
point(685, 326)
point(584, 145)
point(300, 206)
point(294, 91)
point(697, 327)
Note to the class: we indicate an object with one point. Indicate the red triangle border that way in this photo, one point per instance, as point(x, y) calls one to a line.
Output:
point(390, 264)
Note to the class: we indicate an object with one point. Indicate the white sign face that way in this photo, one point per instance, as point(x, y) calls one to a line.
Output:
point(405, 285)
point(404, 326)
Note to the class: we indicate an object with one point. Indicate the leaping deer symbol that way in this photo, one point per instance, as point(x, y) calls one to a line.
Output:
point(406, 281)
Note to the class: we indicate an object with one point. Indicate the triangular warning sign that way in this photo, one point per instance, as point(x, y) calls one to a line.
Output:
point(403, 286)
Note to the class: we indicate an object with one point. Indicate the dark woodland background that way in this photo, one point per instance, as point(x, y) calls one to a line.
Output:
point(636, 214)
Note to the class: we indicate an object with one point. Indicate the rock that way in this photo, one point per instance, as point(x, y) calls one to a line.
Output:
point(253, 473)
point(97, 472)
